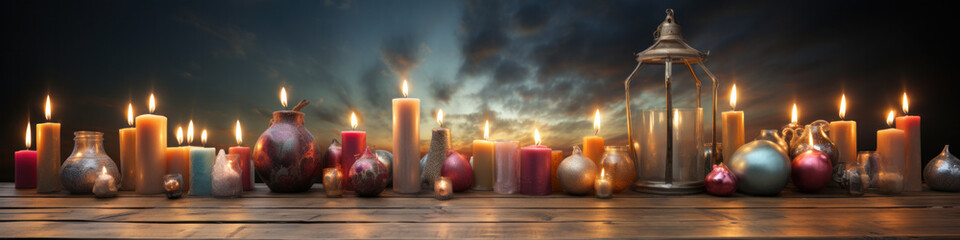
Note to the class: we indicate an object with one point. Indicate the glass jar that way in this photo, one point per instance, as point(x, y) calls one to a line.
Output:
point(79, 172)
point(618, 164)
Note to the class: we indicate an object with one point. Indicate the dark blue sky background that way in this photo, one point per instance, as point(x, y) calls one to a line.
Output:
point(521, 65)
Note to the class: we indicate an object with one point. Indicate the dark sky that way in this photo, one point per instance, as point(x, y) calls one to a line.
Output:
point(521, 65)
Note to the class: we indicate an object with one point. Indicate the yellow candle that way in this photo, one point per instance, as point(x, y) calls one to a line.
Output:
point(593, 145)
point(48, 154)
point(844, 134)
point(733, 136)
point(128, 153)
point(483, 161)
point(151, 151)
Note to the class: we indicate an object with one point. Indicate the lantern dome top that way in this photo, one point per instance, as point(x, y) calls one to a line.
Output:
point(669, 44)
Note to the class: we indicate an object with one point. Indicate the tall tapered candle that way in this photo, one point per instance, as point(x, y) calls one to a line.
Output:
point(25, 165)
point(201, 168)
point(353, 144)
point(535, 168)
point(733, 136)
point(890, 147)
point(243, 160)
point(507, 174)
point(439, 143)
point(406, 143)
point(151, 150)
point(593, 145)
point(911, 130)
point(48, 154)
point(178, 158)
point(483, 165)
point(128, 153)
point(844, 134)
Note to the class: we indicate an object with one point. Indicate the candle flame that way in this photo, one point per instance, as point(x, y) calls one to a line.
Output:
point(596, 121)
point(733, 97)
point(353, 120)
point(843, 106)
point(104, 171)
point(283, 96)
point(190, 133)
point(239, 133)
point(153, 103)
point(793, 115)
point(536, 136)
point(440, 117)
point(890, 118)
point(486, 129)
point(46, 109)
point(130, 114)
point(28, 135)
point(405, 88)
point(179, 135)
point(203, 137)
point(906, 104)
point(602, 172)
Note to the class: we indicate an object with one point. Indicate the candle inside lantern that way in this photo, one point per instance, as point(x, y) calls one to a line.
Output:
point(593, 145)
point(333, 182)
point(406, 143)
point(507, 175)
point(48, 153)
point(439, 143)
point(353, 144)
point(243, 160)
point(105, 185)
point(25, 165)
point(483, 166)
point(733, 136)
point(178, 158)
point(890, 147)
point(603, 186)
point(202, 160)
point(535, 167)
point(844, 134)
point(912, 166)
point(151, 150)
point(443, 188)
point(128, 153)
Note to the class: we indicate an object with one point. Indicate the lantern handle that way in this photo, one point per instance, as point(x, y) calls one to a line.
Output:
point(713, 119)
point(626, 86)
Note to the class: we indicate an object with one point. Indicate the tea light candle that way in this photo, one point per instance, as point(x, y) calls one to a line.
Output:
point(890, 147)
point(48, 154)
point(105, 185)
point(201, 168)
point(151, 151)
point(844, 134)
point(603, 186)
point(25, 165)
point(535, 168)
point(483, 166)
point(733, 136)
point(243, 160)
point(912, 165)
point(593, 145)
point(128, 153)
point(443, 188)
point(333, 182)
point(406, 143)
point(353, 144)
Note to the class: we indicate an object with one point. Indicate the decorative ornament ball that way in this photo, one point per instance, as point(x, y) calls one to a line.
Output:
point(811, 170)
point(331, 158)
point(173, 185)
point(577, 173)
point(721, 181)
point(458, 170)
point(943, 172)
point(286, 156)
point(761, 168)
point(368, 175)
point(386, 157)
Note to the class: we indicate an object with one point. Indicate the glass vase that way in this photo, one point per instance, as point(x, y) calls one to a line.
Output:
point(79, 172)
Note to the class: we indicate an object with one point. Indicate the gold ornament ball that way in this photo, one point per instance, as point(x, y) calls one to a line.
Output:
point(577, 173)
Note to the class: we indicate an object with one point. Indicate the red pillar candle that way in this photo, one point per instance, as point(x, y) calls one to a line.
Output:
point(25, 166)
point(243, 160)
point(535, 168)
point(911, 146)
point(353, 144)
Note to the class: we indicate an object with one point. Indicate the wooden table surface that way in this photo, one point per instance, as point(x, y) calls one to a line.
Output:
point(264, 215)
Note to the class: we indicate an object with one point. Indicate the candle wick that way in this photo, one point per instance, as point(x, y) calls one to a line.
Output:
point(597, 132)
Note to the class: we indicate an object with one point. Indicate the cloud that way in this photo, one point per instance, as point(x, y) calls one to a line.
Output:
point(401, 54)
point(530, 19)
point(238, 41)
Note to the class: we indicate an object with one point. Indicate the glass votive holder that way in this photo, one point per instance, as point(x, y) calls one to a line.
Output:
point(443, 188)
point(173, 185)
point(105, 185)
point(333, 182)
point(603, 186)
point(856, 180)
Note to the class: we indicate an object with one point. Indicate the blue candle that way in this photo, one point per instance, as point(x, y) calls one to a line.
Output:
point(201, 170)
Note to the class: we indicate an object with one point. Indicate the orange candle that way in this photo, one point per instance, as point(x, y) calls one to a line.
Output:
point(593, 145)
point(48, 154)
point(128, 153)
point(483, 161)
point(844, 134)
point(151, 151)
point(733, 136)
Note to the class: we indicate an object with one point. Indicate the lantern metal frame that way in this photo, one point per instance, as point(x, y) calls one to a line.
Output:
point(668, 49)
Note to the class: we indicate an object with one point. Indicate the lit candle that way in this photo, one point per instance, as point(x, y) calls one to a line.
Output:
point(201, 168)
point(48, 154)
point(733, 136)
point(333, 182)
point(243, 160)
point(890, 147)
point(507, 156)
point(602, 186)
point(911, 129)
point(535, 168)
point(406, 143)
point(25, 165)
point(439, 143)
point(128, 153)
point(443, 188)
point(178, 158)
point(483, 166)
point(353, 144)
point(593, 145)
point(105, 185)
point(556, 156)
point(151, 150)
point(844, 134)
point(793, 129)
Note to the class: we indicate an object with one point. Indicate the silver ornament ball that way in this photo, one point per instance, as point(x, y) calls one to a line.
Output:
point(761, 168)
point(943, 172)
point(386, 157)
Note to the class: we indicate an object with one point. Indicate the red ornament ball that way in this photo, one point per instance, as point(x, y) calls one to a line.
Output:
point(368, 175)
point(459, 171)
point(811, 170)
point(721, 181)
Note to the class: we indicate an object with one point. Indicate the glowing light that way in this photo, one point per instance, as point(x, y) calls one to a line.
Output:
point(440, 117)
point(283, 96)
point(906, 104)
point(733, 97)
point(190, 133)
point(486, 129)
point(46, 109)
point(28, 135)
point(179, 135)
point(843, 106)
point(130, 114)
point(239, 133)
point(596, 122)
point(536, 136)
point(793, 115)
point(153, 103)
point(890, 118)
point(405, 88)
point(353, 120)
point(203, 137)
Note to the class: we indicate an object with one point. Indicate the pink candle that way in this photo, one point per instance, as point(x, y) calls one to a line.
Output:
point(535, 168)
point(243, 159)
point(25, 166)
point(353, 144)
point(911, 146)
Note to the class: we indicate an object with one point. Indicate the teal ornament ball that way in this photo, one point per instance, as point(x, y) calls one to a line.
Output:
point(761, 167)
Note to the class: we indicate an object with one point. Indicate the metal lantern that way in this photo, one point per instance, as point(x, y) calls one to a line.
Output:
point(687, 177)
